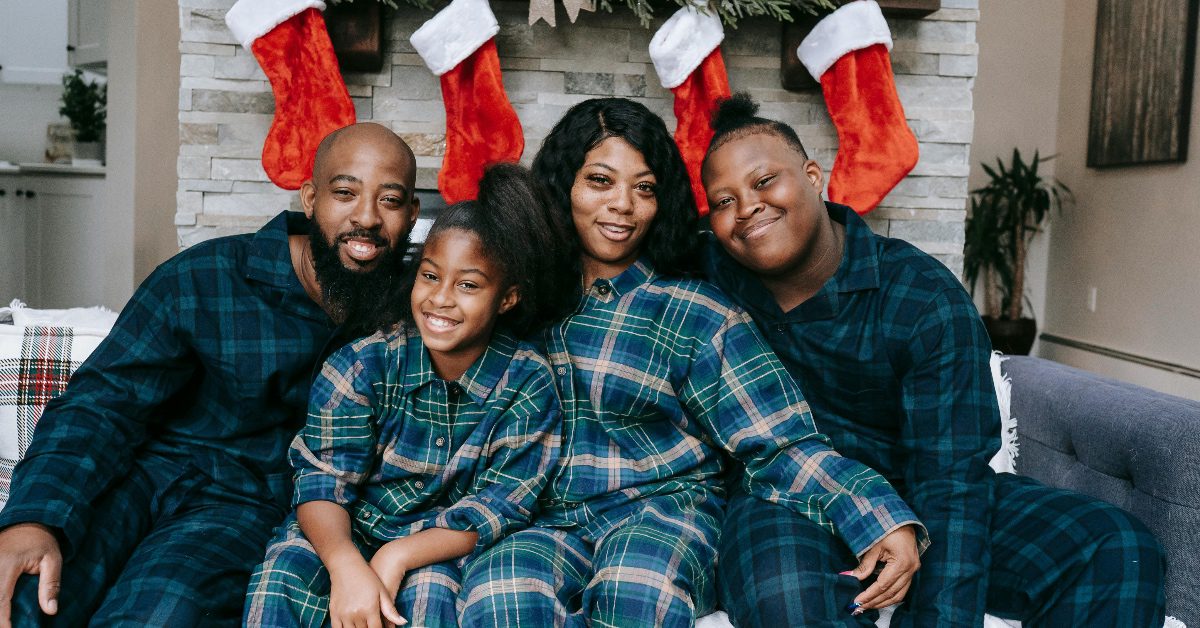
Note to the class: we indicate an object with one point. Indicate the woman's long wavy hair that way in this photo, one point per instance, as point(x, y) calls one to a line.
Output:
point(671, 242)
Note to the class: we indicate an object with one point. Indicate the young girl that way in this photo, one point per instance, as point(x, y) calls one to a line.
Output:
point(428, 442)
point(659, 376)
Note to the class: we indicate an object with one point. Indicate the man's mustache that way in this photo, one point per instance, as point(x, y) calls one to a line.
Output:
point(374, 236)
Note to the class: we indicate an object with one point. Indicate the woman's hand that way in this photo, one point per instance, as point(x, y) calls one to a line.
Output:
point(359, 599)
point(898, 552)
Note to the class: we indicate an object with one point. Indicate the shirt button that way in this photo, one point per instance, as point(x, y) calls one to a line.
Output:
point(603, 289)
point(781, 328)
point(562, 370)
point(419, 484)
point(440, 441)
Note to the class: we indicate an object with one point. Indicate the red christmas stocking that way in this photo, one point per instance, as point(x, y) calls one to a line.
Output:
point(289, 39)
point(481, 127)
point(687, 56)
point(848, 53)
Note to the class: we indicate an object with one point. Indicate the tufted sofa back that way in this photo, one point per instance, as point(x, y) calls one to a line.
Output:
point(1128, 445)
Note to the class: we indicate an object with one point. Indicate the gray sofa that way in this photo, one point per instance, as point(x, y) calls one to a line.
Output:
point(1131, 446)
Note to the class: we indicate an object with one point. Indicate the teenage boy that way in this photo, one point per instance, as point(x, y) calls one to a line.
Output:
point(893, 358)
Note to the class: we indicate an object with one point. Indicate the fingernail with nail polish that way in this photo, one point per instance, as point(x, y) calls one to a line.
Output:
point(846, 573)
point(853, 607)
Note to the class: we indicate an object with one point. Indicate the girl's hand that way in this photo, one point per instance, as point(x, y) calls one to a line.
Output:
point(898, 552)
point(390, 565)
point(358, 599)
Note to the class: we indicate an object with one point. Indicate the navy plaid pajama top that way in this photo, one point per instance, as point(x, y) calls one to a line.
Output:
point(893, 358)
point(207, 370)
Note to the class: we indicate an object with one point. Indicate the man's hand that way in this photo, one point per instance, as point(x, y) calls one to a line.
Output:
point(358, 599)
point(898, 552)
point(29, 548)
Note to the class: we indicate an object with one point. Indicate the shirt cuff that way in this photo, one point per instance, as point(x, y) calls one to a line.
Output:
point(313, 487)
point(861, 528)
point(474, 515)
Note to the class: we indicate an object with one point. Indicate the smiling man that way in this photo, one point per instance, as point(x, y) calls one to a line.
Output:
point(153, 484)
point(893, 359)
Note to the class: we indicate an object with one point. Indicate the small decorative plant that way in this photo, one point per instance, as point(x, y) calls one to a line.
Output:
point(84, 104)
point(1004, 215)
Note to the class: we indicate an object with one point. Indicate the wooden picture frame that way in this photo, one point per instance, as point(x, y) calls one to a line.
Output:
point(1142, 82)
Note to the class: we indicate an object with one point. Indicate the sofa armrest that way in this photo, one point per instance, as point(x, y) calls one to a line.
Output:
point(1125, 444)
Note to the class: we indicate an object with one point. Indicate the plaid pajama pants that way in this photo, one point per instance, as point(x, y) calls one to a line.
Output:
point(291, 587)
point(1059, 558)
point(166, 547)
point(653, 567)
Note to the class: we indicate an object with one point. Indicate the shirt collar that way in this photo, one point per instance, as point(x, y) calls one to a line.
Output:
point(480, 378)
point(270, 259)
point(638, 273)
point(858, 270)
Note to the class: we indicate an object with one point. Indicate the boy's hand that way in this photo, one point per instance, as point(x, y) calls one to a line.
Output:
point(29, 548)
point(358, 599)
point(898, 552)
point(390, 565)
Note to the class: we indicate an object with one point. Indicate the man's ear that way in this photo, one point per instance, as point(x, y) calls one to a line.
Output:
point(816, 178)
point(414, 210)
point(510, 299)
point(308, 197)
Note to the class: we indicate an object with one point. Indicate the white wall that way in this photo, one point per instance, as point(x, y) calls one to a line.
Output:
point(1134, 235)
point(1016, 102)
point(25, 111)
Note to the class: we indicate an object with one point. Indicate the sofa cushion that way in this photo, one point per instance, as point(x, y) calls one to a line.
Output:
point(35, 364)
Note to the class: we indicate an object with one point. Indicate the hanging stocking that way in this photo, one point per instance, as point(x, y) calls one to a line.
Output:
point(481, 127)
point(687, 56)
point(289, 39)
point(847, 52)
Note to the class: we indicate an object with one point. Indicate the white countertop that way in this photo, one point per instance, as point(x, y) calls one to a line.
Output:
point(36, 168)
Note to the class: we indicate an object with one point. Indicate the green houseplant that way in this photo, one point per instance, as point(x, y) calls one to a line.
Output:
point(84, 103)
point(1004, 216)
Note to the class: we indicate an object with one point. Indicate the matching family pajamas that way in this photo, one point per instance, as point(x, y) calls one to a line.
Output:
point(162, 469)
point(659, 379)
point(894, 360)
point(404, 450)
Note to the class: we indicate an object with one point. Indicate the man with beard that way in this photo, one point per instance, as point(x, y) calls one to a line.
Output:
point(152, 485)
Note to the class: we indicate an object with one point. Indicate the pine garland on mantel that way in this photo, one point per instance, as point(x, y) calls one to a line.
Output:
point(646, 10)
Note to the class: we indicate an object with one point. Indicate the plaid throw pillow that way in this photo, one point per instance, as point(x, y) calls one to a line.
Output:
point(35, 364)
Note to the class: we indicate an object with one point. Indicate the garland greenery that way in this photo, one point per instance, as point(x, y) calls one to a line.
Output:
point(730, 11)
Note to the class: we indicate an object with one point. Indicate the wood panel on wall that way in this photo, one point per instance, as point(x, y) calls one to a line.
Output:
point(1142, 82)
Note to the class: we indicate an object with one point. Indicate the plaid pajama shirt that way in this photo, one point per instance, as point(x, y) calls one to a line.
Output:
point(404, 450)
point(893, 358)
point(169, 446)
point(660, 378)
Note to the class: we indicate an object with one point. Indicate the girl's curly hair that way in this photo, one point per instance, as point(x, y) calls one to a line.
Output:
point(523, 237)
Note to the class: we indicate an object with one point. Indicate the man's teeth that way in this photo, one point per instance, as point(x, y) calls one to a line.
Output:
point(362, 247)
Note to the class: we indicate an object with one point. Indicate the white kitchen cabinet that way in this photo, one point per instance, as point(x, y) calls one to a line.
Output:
point(12, 240)
point(57, 248)
point(87, 33)
point(33, 41)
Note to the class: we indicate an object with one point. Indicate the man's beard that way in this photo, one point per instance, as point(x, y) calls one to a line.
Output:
point(360, 300)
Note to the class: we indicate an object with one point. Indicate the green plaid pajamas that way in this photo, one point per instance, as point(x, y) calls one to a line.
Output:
point(660, 379)
point(404, 450)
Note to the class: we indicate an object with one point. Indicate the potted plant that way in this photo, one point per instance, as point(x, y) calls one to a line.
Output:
point(1004, 215)
point(84, 104)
